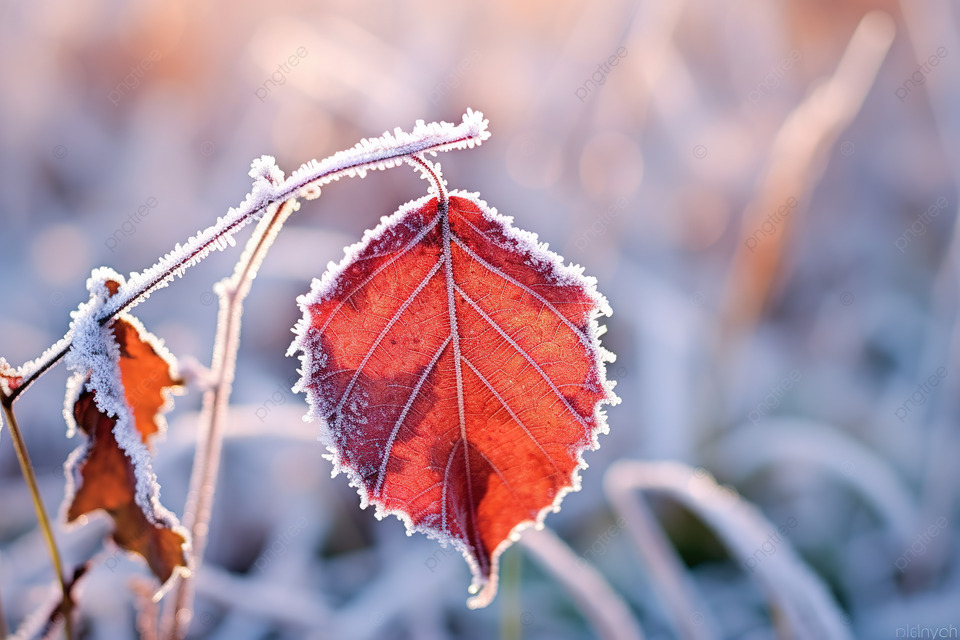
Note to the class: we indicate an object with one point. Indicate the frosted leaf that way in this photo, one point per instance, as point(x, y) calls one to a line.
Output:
point(446, 316)
point(94, 360)
point(122, 378)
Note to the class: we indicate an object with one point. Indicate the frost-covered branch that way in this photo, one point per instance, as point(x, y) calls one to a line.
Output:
point(203, 478)
point(388, 150)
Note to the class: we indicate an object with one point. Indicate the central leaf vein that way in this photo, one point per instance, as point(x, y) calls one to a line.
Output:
point(444, 209)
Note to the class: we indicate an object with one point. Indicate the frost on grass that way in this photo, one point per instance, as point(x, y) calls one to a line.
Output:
point(456, 365)
point(122, 380)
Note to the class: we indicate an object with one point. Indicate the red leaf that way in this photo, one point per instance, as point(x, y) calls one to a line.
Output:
point(112, 470)
point(457, 366)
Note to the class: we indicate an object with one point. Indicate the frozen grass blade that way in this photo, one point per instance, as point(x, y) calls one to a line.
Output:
point(244, 595)
point(690, 616)
point(801, 605)
point(773, 443)
point(387, 598)
point(599, 603)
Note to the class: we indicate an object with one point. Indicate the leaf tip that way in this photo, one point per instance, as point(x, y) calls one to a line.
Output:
point(482, 593)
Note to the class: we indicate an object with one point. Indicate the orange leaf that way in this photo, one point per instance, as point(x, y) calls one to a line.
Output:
point(109, 483)
point(145, 375)
point(457, 365)
point(122, 384)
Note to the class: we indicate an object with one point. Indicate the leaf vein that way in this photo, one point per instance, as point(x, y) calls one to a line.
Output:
point(383, 333)
point(525, 355)
point(508, 278)
point(403, 414)
point(410, 245)
point(513, 415)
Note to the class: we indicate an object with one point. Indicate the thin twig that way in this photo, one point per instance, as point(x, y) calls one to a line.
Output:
point(203, 478)
point(431, 172)
point(26, 467)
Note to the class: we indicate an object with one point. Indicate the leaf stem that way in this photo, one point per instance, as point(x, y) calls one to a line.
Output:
point(23, 457)
point(203, 478)
point(431, 172)
point(681, 602)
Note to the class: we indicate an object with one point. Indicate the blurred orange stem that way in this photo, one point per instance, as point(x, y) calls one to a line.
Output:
point(66, 608)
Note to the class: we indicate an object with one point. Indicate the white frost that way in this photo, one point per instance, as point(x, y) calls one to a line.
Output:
point(390, 149)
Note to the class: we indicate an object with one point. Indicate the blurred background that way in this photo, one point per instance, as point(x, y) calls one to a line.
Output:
point(766, 192)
